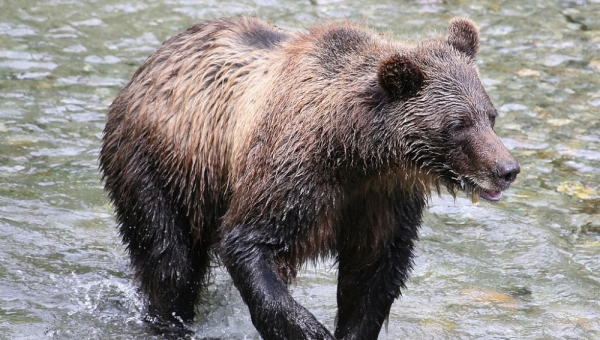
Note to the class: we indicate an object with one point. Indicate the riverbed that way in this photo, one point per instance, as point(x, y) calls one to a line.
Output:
point(527, 267)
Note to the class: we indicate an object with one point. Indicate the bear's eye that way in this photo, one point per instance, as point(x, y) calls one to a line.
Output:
point(458, 126)
point(455, 126)
point(493, 119)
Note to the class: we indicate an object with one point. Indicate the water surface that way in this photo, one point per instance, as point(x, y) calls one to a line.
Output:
point(525, 268)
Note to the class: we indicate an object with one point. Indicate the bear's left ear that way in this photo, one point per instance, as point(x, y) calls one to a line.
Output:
point(399, 76)
point(464, 36)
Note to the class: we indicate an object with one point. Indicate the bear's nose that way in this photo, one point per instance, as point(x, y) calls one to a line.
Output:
point(508, 171)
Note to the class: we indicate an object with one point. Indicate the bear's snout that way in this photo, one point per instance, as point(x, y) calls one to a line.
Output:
point(507, 172)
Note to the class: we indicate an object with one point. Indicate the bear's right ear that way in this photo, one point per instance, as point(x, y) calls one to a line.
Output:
point(464, 36)
point(399, 76)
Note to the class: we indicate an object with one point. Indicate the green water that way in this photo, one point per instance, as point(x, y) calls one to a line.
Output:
point(526, 268)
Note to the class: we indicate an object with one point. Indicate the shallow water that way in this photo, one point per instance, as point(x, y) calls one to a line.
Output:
point(525, 268)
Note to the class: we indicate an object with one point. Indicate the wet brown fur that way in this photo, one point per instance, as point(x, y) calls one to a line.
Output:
point(296, 140)
point(208, 80)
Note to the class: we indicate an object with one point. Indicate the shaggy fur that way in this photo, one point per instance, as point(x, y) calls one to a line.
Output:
point(270, 148)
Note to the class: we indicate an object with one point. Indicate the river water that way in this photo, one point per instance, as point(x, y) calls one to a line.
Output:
point(525, 268)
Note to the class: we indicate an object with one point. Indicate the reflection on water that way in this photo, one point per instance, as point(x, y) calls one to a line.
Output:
point(528, 267)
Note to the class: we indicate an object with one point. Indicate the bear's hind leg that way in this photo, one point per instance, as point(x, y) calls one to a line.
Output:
point(170, 267)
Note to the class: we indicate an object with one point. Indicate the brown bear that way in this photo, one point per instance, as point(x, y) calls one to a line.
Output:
point(264, 148)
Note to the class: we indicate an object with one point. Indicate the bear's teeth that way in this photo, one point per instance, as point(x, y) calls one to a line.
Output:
point(475, 196)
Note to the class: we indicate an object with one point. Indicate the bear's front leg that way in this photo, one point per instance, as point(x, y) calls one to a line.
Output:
point(367, 288)
point(274, 313)
point(366, 292)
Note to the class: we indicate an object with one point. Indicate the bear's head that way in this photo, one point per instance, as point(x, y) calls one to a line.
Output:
point(444, 116)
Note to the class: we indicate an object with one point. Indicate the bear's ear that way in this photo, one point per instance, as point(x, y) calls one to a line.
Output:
point(399, 76)
point(464, 36)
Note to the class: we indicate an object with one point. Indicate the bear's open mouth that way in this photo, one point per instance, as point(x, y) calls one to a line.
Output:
point(490, 195)
point(475, 192)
